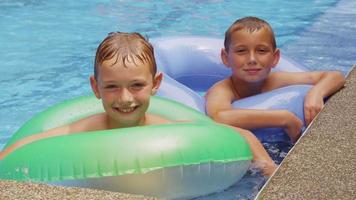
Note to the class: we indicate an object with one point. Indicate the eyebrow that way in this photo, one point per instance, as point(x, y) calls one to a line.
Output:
point(238, 46)
point(134, 80)
point(258, 45)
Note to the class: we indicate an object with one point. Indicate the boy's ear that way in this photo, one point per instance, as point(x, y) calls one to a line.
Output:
point(277, 56)
point(94, 86)
point(224, 57)
point(156, 82)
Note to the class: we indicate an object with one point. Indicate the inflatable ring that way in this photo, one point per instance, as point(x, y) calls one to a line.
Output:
point(168, 161)
point(192, 65)
point(80, 107)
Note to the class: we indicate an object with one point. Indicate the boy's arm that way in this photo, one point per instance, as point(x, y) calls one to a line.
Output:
point(253, 119)
point(218, 106)
point(50, 133)
point(325, 83)
point(260, 156)
point(86, 124)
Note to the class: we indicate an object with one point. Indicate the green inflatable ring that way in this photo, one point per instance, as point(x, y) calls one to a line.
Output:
point(169, 161)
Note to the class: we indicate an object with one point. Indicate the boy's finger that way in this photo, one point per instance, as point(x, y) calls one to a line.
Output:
point(314, 113)
point(307, 116)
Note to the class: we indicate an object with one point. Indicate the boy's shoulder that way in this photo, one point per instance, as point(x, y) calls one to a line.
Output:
point(274, 80)
point(222, 85)
point(91, 123)
point(280, 79)
point(152, 119)
point(221, 92)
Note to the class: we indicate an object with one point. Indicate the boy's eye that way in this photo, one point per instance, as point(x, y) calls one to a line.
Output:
point(240, 51)
point(110, 87)
point(137, 86)
point(262, 50)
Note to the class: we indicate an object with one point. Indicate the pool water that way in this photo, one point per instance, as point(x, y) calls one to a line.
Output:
point(47, 47)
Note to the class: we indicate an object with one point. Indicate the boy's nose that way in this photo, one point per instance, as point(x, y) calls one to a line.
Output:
point(126, 96)
point(252, 59)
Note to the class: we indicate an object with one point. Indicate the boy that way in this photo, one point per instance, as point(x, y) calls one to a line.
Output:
point(125, 77)
point(250, 51)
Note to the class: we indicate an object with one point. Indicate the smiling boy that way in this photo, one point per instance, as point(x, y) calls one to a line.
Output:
point(250, 52)
point(125, 77)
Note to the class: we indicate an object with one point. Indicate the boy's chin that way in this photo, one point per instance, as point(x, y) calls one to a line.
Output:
point(256, 79)
point(121, 120)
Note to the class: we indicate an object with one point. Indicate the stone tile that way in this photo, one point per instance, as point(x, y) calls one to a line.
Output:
point(322, 165)
point(32, 191)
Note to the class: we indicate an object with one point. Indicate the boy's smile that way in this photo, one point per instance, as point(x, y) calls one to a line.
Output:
point(251, 55)
point(252, 71)
point(125, 110)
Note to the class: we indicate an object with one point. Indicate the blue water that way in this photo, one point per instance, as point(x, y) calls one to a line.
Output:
point(47, 47)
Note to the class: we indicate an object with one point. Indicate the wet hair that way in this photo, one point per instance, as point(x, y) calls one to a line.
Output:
point(125, 48)
point(249, 24)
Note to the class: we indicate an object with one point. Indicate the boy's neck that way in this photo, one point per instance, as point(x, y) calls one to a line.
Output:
point(112, 124)
point(244, 89)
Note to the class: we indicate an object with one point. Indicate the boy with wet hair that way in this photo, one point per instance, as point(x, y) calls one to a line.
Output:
point(250, 52)
point(125, 77)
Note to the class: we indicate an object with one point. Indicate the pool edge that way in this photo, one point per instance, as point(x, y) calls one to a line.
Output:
point(21, 190)
point(321, 165)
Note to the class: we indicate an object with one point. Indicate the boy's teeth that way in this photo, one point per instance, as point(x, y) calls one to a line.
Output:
point(126, 110)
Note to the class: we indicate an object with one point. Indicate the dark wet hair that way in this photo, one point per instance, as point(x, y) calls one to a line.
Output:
point(250, 24)
point(125, 48)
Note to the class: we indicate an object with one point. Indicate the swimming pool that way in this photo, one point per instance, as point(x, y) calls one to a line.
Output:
point(48, 46)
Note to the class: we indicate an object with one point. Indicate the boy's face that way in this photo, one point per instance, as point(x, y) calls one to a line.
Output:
point(250, 55)
point(125, 91)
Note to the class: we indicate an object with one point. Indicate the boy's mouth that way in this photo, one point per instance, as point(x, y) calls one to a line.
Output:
point(126, 110)
point(252, 70)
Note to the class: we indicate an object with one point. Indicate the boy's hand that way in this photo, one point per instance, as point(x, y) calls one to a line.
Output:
point(293, 126)
point(313, 103)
